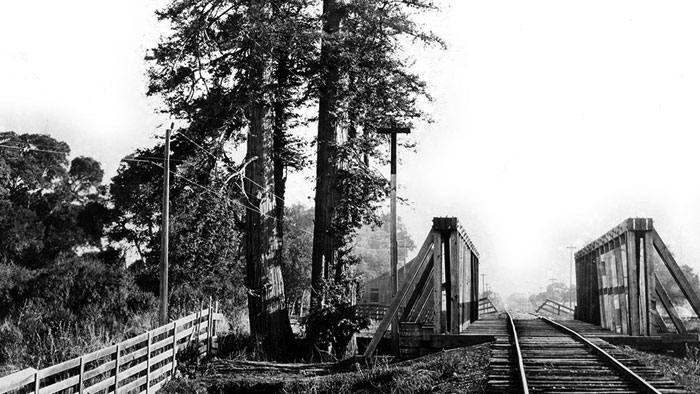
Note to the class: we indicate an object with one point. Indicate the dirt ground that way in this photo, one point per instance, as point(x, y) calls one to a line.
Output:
point(462, 370)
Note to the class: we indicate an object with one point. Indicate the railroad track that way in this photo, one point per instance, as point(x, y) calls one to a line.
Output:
point(543, 356)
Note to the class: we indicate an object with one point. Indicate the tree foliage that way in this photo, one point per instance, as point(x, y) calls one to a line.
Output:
point(204, 233)
point(672, 288)
point(373, 248)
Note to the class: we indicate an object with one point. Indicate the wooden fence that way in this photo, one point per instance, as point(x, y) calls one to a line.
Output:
point(142, 364)
point(554, 307)
point(371, 311)
point(486, 306)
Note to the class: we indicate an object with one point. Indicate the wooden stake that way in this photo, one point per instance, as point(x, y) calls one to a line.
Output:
point(116, 371)
point(148, 363)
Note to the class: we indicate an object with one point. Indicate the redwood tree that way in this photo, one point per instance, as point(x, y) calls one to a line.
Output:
point(364, 82)
point(234, 70)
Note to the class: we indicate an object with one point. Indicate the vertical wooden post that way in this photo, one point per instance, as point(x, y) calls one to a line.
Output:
point(172, 371)
point(650, 282)
point(165, 228)
point(455, 283)
point(437, 282)
point(622, 292)
point(642, 282)
point(600, 277)
point(210, 322)
point(148, 363)
point(116, 370)
point(633, 282)
point(199, 317)
point(37, 380)
point(81, 382)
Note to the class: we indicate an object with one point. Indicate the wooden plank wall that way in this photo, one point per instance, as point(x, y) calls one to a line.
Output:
point(616, 280)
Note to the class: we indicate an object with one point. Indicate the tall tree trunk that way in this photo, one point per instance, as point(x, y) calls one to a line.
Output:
point(269, 321)
point(323, 254)
point(279, 143)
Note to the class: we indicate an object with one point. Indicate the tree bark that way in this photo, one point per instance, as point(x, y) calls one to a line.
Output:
point(323, 254)
point(269, 321)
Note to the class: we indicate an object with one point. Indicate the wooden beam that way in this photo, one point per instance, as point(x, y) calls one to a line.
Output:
point(414, 303)
point(631, 224)
point(650, 281)
point(668, 306)
point(676, 272)
point(633, 283)
point(450, 341)
point(600, 277)
point(401, 295)
point(455, 283)
point(622, 298)
point(438, 266)
point(423, 301)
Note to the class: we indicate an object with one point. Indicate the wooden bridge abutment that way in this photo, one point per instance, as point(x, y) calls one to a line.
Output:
point(617, 286)
point(440, 292)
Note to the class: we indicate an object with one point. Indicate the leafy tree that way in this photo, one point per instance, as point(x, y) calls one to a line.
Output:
point(298, 241)
point(373, 247)
point(234, 70)
point(204, 241)
point(363, 83)
point(674, 292)
point(49, 207)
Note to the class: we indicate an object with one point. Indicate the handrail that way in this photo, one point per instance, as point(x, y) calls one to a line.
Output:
point(119, 365)
point(638, 380)
point(521, 365)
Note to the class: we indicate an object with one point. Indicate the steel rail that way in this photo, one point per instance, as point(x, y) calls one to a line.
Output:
point(521, 366)
point(636, 379)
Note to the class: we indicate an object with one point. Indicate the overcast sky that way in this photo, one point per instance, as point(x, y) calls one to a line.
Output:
point(554, 120)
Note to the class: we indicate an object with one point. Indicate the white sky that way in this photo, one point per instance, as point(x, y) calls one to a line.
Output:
point(555, 120)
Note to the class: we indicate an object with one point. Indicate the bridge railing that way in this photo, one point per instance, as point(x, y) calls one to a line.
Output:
point(486, 306)
point(142, 364)
point(554, 307)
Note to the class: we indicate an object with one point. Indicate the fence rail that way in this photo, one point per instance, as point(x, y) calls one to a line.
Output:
point(142, 364)
point(371, 311)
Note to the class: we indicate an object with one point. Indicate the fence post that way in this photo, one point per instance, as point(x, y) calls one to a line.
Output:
point(172, 373)
point(116, 370)
point(199, 317)
point(210, 321)
point(36, 382)
point(148, 363)
point(81, 382)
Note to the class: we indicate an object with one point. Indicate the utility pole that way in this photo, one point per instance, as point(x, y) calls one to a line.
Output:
point(393, 131)
point(165, 229)
point(571, 276)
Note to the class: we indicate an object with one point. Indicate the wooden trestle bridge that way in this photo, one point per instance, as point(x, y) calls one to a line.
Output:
point(619, 300)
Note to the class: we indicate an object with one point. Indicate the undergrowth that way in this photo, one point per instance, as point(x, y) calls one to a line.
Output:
point(683, 370)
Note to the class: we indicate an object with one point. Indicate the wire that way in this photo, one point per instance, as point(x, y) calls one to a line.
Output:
point(231, 168)
point(35, 149)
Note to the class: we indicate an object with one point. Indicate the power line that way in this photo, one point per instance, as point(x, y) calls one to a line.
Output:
point(27, 149)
